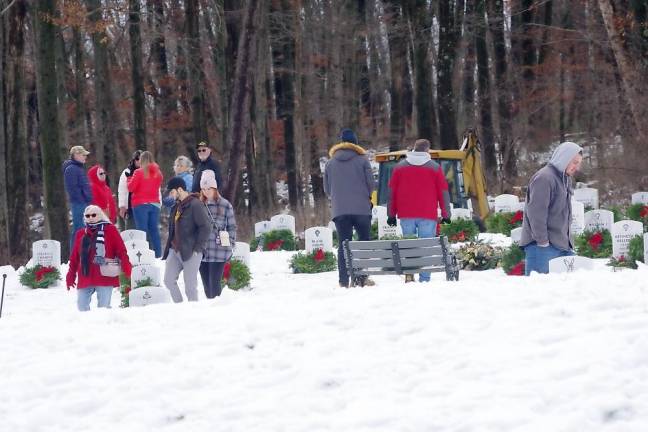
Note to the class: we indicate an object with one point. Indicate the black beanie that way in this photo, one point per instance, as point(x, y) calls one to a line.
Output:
point(347, 135)
point(175, 183)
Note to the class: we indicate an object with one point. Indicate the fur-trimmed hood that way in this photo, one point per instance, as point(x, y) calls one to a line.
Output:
point(346, 146)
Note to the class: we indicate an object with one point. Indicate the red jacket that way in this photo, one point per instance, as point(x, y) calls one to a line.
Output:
point(101, 194)
point(145, 190)
point(417, 189)
point(115, 248)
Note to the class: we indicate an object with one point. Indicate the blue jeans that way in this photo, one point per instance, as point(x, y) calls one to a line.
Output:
point(537, 258)
point(147, 218)
point(77, 220)
point(85, 294)
point(344, 225)
point(422, 228)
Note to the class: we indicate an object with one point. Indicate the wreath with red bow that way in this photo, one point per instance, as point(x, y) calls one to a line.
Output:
point(504, 222)
point(236, 275)
point(639, 212)
point(40, 277)
point(594, 244)
point(316, 261)
point(513, 261)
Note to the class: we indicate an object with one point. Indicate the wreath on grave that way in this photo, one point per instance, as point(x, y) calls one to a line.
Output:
point(622, 262)
point(460, 230)
point(594, 244)
point(125, 288)
point(236, 275)
point(316, 261)
point(513, 261)
point(275, 240)
point(636, 250)
point(639, 212)
point(39, 276)
point(479, 256)
point(504, 222)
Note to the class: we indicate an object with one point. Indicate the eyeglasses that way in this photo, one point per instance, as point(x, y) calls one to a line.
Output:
point(203, 150)
point(101, 173)
point(88, 216)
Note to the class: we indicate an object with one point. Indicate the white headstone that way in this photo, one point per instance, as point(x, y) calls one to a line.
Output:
point(588, 196)
point(622, 232)
point(645, 239)
point(241, 252)
point(136, 245)
point(318, 238)
point(385, 230)
point(491, 202)
point(133, 234)
point(519, 207)
point(506, 203)
point(640, 198)
point(568, 264)
point(283, 221)
point(148, 295)
point(578, 217)
point(141, 257)
point(597, 220)
point(378, 212)
point(331, 226)
point(261, 227)
point(516, 235)
point(461, 213)
point(47, 253)
point(143, 272)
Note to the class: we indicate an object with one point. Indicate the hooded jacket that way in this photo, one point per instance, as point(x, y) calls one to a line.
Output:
point(145, 190)
point(101, 194)
point(418, 188)
point(76, 182)
point(190, 222)
point(547, 213)
point(348, 180)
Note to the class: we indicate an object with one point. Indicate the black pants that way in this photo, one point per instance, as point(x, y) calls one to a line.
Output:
point(345, 225)
point(211, 274)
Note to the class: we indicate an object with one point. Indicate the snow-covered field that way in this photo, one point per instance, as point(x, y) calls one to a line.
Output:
point(547, 353)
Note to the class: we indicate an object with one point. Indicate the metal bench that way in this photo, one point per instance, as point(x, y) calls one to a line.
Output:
point(381, 257)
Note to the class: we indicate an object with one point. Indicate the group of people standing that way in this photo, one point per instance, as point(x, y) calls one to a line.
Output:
point(202, 225)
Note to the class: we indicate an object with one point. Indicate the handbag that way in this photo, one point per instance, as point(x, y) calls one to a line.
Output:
point(110, 268)
point(222, 235)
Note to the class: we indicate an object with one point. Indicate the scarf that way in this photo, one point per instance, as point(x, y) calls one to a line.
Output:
point(86, 244)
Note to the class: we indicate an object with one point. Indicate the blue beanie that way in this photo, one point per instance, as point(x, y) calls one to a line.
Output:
point(347, 135)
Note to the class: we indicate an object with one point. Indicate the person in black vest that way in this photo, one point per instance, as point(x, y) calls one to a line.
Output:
point(206, 163)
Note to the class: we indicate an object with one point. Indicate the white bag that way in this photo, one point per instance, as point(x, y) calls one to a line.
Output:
point(110, 268)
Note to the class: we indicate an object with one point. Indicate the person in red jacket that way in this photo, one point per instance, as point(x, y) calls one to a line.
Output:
point(96, 243)
point(101, 194)
point(418, 189)
point(144, 186)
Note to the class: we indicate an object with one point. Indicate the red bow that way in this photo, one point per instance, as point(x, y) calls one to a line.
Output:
point(517, 270)
point(275, 245)
point(517, 217)
point(40, 273)
point(459, 237)
point(595, 241)
point(644, 211)
point(227, 270)
point(319, 255)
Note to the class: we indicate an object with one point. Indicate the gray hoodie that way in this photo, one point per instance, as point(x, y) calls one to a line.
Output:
point(348, 180)
point(547, 214)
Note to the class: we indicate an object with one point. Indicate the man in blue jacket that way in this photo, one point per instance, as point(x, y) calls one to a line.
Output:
point(77, 187)
point(548, 214)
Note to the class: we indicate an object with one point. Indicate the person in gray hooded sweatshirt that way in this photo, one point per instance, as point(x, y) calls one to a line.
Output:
point(349, 182)
point(548, 213)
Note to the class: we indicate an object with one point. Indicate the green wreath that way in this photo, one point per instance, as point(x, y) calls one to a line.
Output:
point(594, 244)
point(639, 212)
point(513, 261)
point(317, 261)
point(39, 276)
point(504, 222)
point(275, 240)
point(460, 230)
point(236, 275)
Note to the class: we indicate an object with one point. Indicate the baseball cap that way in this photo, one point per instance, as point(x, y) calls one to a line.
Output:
point(79, 150)
point(202, 144)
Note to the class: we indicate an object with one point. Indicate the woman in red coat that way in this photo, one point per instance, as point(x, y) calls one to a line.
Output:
point(98, 242)
point(144, 186)
point(101, 194)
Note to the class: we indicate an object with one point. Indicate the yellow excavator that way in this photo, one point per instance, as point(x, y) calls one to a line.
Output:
point(463, 172)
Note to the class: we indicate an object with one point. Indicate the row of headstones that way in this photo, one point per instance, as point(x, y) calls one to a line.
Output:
point(589, 197)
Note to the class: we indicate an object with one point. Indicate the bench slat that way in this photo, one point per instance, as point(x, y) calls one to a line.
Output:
point(367, 272)
point(386, 244)
point(405, 262)
point(404, 253)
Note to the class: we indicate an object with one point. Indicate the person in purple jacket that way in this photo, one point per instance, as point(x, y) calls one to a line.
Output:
point(547, 213)
point(77, 187)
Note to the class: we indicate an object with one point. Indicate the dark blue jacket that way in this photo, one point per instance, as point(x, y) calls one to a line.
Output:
point(207, 164)
point(76, 181)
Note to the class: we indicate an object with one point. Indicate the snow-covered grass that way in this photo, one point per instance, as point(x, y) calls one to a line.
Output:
point(547, 353)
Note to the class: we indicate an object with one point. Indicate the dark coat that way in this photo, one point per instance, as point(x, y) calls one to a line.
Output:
point(76, 182)
point(207, 164)
point(194, 227)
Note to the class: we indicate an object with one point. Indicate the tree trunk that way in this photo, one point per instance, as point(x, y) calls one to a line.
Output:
point(139, 107)
point(241, 95)
point(398, 62)
point(630, 76)
point(196, 81)
point(445, 72)
point(86, 132)
point(5, 251)
point(467, 117)
point(16, 156)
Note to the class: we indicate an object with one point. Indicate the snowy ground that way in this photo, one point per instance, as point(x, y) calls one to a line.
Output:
point(547, 353)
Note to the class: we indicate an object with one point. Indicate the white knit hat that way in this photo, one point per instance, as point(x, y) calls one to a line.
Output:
point(208, 180)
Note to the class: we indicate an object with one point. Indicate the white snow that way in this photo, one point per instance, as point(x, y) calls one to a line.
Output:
point(547, 353)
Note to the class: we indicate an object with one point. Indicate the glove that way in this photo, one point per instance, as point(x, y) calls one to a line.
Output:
point(69, 280)
point(391, 221)
point(445, 221)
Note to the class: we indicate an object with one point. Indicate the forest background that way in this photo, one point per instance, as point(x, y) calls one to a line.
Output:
point(270, 83)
